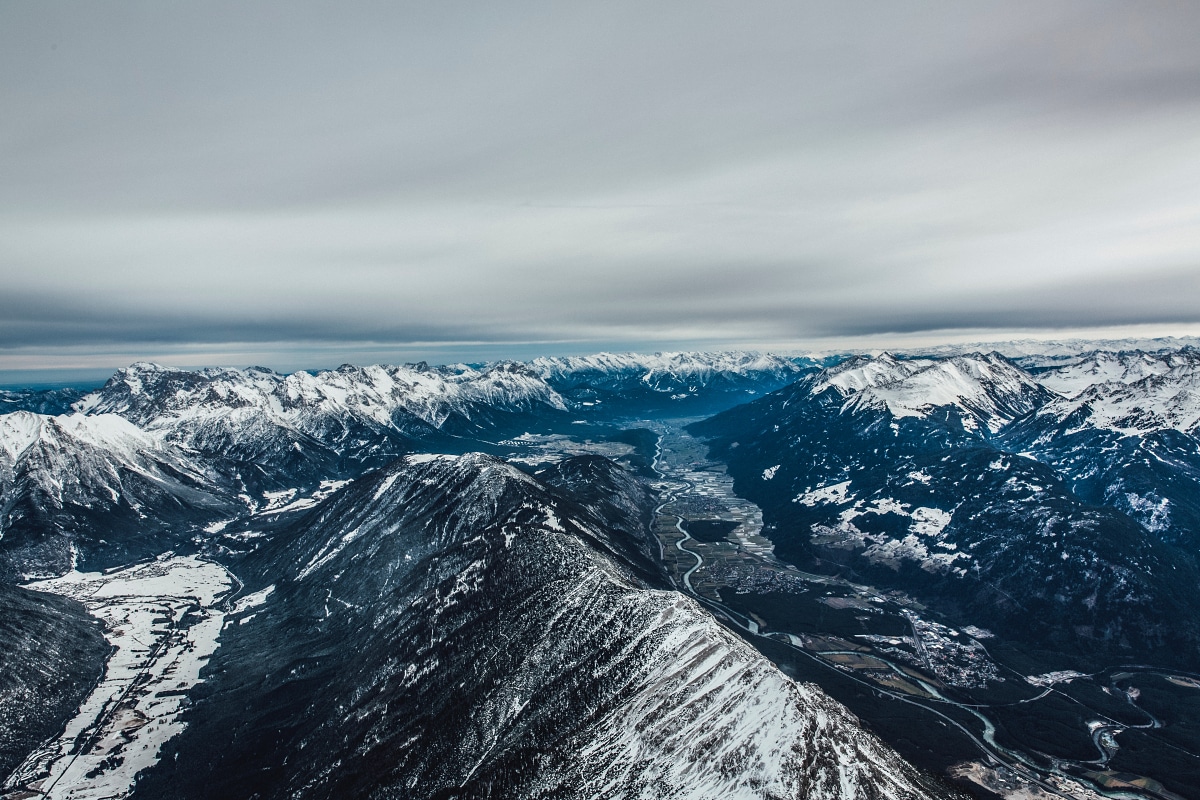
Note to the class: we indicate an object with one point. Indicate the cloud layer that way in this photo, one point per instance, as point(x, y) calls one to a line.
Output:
point(175, 175)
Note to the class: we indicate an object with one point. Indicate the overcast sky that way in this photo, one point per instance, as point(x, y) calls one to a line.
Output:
point(300, 184)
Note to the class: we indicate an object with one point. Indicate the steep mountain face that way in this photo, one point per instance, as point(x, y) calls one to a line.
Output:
point(899, 472)
point(1119, 367)
point(614, 497)
point(980, 390)
point(95, 489)
point(54, 652)
point(453, 627)
point(1126, 434)
point(1129, 393)
point(285, 428)
point(681, 383)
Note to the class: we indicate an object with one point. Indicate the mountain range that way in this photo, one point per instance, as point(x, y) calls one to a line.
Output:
point(420, 607)
point(979, 486)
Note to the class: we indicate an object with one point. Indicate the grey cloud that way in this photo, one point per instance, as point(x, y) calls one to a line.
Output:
point(633, 173)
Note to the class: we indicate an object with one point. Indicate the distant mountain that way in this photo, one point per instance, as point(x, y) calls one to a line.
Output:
point(1098, 367)
point(904, 473)
point(683, 383)
point(1126, 435)
point(1132, 393)
point(97, 490)
point(40, 401)
point(1036, 353)
point(303, 427)
point(453, 627)
point(980, 390)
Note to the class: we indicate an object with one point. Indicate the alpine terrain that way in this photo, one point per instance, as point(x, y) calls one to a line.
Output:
point(679, 575)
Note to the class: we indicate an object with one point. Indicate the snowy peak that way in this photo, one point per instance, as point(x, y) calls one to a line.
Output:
point(157, 396)
point(146, 393)
point(22, 432)
point(866, 372)
point(985, 388)
point(94, 485)
point(431, 394)
point(663, 371)
point(1119, 367)
point(1131, 393)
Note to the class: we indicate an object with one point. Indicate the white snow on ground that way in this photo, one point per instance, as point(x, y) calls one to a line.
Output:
point(834, 493)
point(252, 600)
point(121, 726)
point(1103, 367)
point(988, 389)
point(329, 552)
point(287, 499)
point(425, 458)
point(925, 532)
point(929, 521)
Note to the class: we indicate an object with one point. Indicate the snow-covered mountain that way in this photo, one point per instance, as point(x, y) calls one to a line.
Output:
point(160, 397)
point(322, 425)
point(981, 389)
point(679, 382)
point(96, 488)
point(1131, 393)
point(1126, 435)
point(453, 627)
point(914, 474)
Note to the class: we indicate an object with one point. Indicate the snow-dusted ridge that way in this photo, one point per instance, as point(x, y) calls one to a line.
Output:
point(655, 368)
point(987, 389)
point(518, 618)
point(69, 468)
point(1131, 393)
point(160, 397)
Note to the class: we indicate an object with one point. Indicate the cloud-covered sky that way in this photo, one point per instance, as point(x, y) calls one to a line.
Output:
point(291, 183)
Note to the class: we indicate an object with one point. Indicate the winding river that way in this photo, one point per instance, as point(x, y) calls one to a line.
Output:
point(675, 486)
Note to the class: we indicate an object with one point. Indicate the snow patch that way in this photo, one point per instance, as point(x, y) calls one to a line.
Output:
point(836, 493)
point(137, 705)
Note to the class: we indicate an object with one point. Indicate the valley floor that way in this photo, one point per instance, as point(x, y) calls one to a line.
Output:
point(858, 642)
point(163, 619)
point(943, 697)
